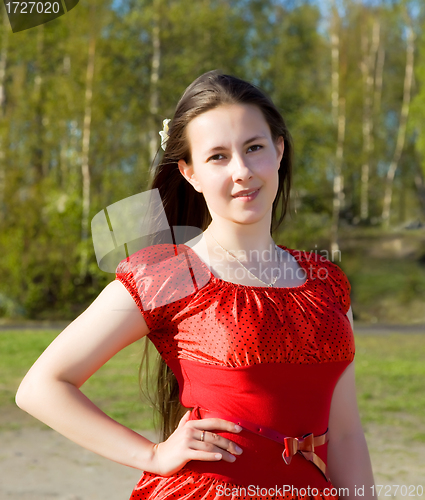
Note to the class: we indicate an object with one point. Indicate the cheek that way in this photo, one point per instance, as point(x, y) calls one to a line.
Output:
point(215, 190)
point(214, 181)
point(270, 174)
point(211, 183)
point(268, 170)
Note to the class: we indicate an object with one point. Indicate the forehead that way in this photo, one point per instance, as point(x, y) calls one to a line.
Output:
point(226, 122)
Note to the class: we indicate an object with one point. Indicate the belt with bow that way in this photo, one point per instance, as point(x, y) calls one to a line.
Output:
point(303, 445)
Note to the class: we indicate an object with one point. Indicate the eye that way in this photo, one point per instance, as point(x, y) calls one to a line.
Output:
point(215, 157)
point(255, 146)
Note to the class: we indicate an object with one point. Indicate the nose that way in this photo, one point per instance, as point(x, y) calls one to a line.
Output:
point(241, 168)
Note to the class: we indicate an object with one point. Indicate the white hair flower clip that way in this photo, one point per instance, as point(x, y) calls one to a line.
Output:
point(164, 132)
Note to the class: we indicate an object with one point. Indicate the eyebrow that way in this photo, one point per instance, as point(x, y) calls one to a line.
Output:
point(219, 148)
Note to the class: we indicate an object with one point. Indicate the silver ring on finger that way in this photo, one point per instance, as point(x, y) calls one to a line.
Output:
point(202, 436)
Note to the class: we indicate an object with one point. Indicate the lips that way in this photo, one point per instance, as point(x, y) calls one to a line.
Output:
point(246, 192)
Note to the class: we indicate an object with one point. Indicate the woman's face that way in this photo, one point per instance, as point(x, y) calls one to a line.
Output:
point(232, 152)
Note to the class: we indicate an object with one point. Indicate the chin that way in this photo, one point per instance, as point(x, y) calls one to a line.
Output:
point(253, 219)
point(244, 217)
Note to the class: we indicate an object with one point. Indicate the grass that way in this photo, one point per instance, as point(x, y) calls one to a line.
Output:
point(114, 387)
point(390, 375)
point(390, 378)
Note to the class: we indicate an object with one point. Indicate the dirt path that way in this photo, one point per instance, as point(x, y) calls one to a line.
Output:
point(397, 460)
point(39, 464)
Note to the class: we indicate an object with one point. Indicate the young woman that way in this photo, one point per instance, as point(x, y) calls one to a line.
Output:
point(255, 338)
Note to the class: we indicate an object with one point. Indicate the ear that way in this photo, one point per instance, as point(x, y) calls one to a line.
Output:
point(280, 147)
point(188, 173)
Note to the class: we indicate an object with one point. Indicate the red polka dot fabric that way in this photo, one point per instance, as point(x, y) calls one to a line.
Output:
point(193, 315)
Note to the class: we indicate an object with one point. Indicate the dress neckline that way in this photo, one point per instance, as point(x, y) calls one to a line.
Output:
point(216, 280)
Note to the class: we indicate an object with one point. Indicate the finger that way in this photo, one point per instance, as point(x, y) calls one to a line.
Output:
point(211, 438)
point(184, 419)
point(218, 424)
point(213, 450)
point(204, 456)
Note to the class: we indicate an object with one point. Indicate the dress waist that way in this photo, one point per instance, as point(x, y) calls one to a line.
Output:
point(304, 445)
point(269, 458)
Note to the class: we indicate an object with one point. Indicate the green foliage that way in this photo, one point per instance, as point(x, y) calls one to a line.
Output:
point(284, 47)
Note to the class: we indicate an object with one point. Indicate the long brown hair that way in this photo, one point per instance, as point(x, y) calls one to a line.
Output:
point(184, 206)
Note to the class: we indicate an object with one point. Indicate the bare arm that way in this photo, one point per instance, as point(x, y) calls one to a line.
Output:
point(348, 457)
point(50, 391)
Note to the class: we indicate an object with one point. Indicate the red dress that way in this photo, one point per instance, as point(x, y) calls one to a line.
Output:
point(266, 357)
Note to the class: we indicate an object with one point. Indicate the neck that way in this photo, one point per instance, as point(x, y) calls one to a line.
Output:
point(242, 240)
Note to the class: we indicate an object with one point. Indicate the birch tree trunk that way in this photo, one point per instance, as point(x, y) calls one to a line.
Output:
point(338, 186)
point(154, 97)
point(367, 67)
point(64, 141)
point(3, 62)
point(401, 136)
point(85, 169)
point(335, 71)
point(379, 71)
point(338, 113)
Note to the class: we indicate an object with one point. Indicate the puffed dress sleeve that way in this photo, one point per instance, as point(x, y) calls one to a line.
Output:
point(329, 273)
point(141, 276)
point(339, 284)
